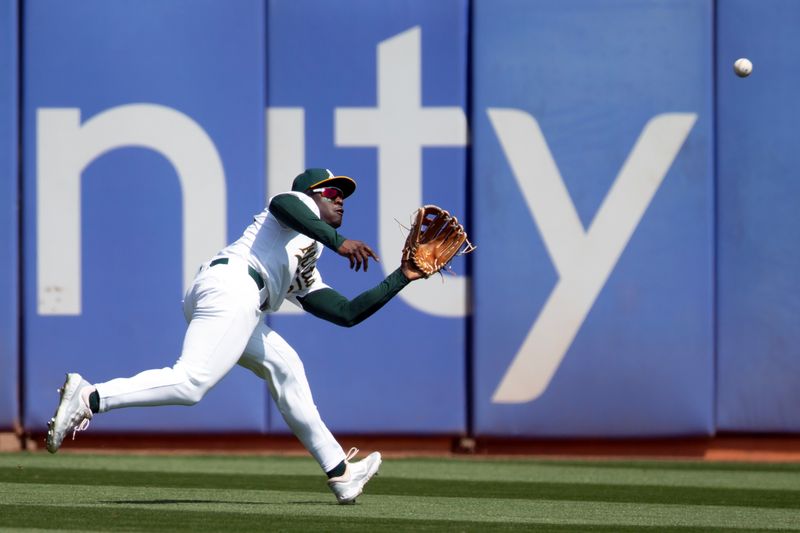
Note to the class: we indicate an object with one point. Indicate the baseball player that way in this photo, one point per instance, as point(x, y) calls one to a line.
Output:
point(274, 260)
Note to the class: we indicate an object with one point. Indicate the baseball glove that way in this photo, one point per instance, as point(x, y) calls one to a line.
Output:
point(434, 239)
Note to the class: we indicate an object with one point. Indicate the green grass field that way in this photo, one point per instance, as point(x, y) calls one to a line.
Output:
point(255, 493)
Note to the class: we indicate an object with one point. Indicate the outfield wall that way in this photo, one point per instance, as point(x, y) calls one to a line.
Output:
point(143, 155)
point(630, 197)
point(384, 102)
point(758, 371)
point(604, 170)
point(9, 228)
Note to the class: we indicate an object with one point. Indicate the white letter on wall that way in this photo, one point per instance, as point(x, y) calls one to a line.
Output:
point(65, 148)
point(400, 127)
point(583, 259)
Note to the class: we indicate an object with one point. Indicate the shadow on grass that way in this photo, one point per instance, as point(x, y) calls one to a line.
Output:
point(206, 502)
point(172, 502)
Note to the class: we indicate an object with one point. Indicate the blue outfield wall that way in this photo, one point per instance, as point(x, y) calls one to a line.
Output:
point(379, 91)
point(758, 364)
point(636, 270)
point(9, 249)
point(593, 211)
point(144, 135)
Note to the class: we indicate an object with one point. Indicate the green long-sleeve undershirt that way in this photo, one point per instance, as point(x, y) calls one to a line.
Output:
point(328, 304)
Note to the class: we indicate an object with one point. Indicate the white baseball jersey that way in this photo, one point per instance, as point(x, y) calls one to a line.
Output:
point(285, 259)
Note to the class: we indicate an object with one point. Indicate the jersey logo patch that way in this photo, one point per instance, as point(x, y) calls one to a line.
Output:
point(304, 275)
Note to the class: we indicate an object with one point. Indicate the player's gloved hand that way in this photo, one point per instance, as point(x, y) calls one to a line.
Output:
point(358, 253)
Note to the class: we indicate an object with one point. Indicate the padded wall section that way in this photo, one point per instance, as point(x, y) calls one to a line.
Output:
point(758, 179)
point(593, 204)
point(376, 91)
point(143, 157)
point(9, 249)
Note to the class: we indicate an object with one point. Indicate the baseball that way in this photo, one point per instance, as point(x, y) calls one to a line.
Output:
point(743, 67)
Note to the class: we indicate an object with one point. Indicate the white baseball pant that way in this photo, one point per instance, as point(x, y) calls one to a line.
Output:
point(226, 328)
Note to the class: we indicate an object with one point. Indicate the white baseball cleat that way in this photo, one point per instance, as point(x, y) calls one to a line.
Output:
point(350, 485)
point(73, 413)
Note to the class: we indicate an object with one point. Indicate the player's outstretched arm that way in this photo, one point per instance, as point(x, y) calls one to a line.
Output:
point(330, 305)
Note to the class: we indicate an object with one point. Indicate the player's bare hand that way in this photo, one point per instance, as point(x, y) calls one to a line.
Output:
point(410, 271)
point(358, 253)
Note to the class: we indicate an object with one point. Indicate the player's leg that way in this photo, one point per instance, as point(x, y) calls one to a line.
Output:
point(269, 356)
point(222, 308)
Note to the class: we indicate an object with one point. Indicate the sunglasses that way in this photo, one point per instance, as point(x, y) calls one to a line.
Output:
point(330, 193)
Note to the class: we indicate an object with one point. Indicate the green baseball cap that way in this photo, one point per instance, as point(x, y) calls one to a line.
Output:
point(313, 178)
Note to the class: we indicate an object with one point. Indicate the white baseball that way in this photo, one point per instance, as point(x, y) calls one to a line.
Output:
point(743, 67)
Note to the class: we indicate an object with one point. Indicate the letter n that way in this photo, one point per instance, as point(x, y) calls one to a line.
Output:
point(65, 147)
